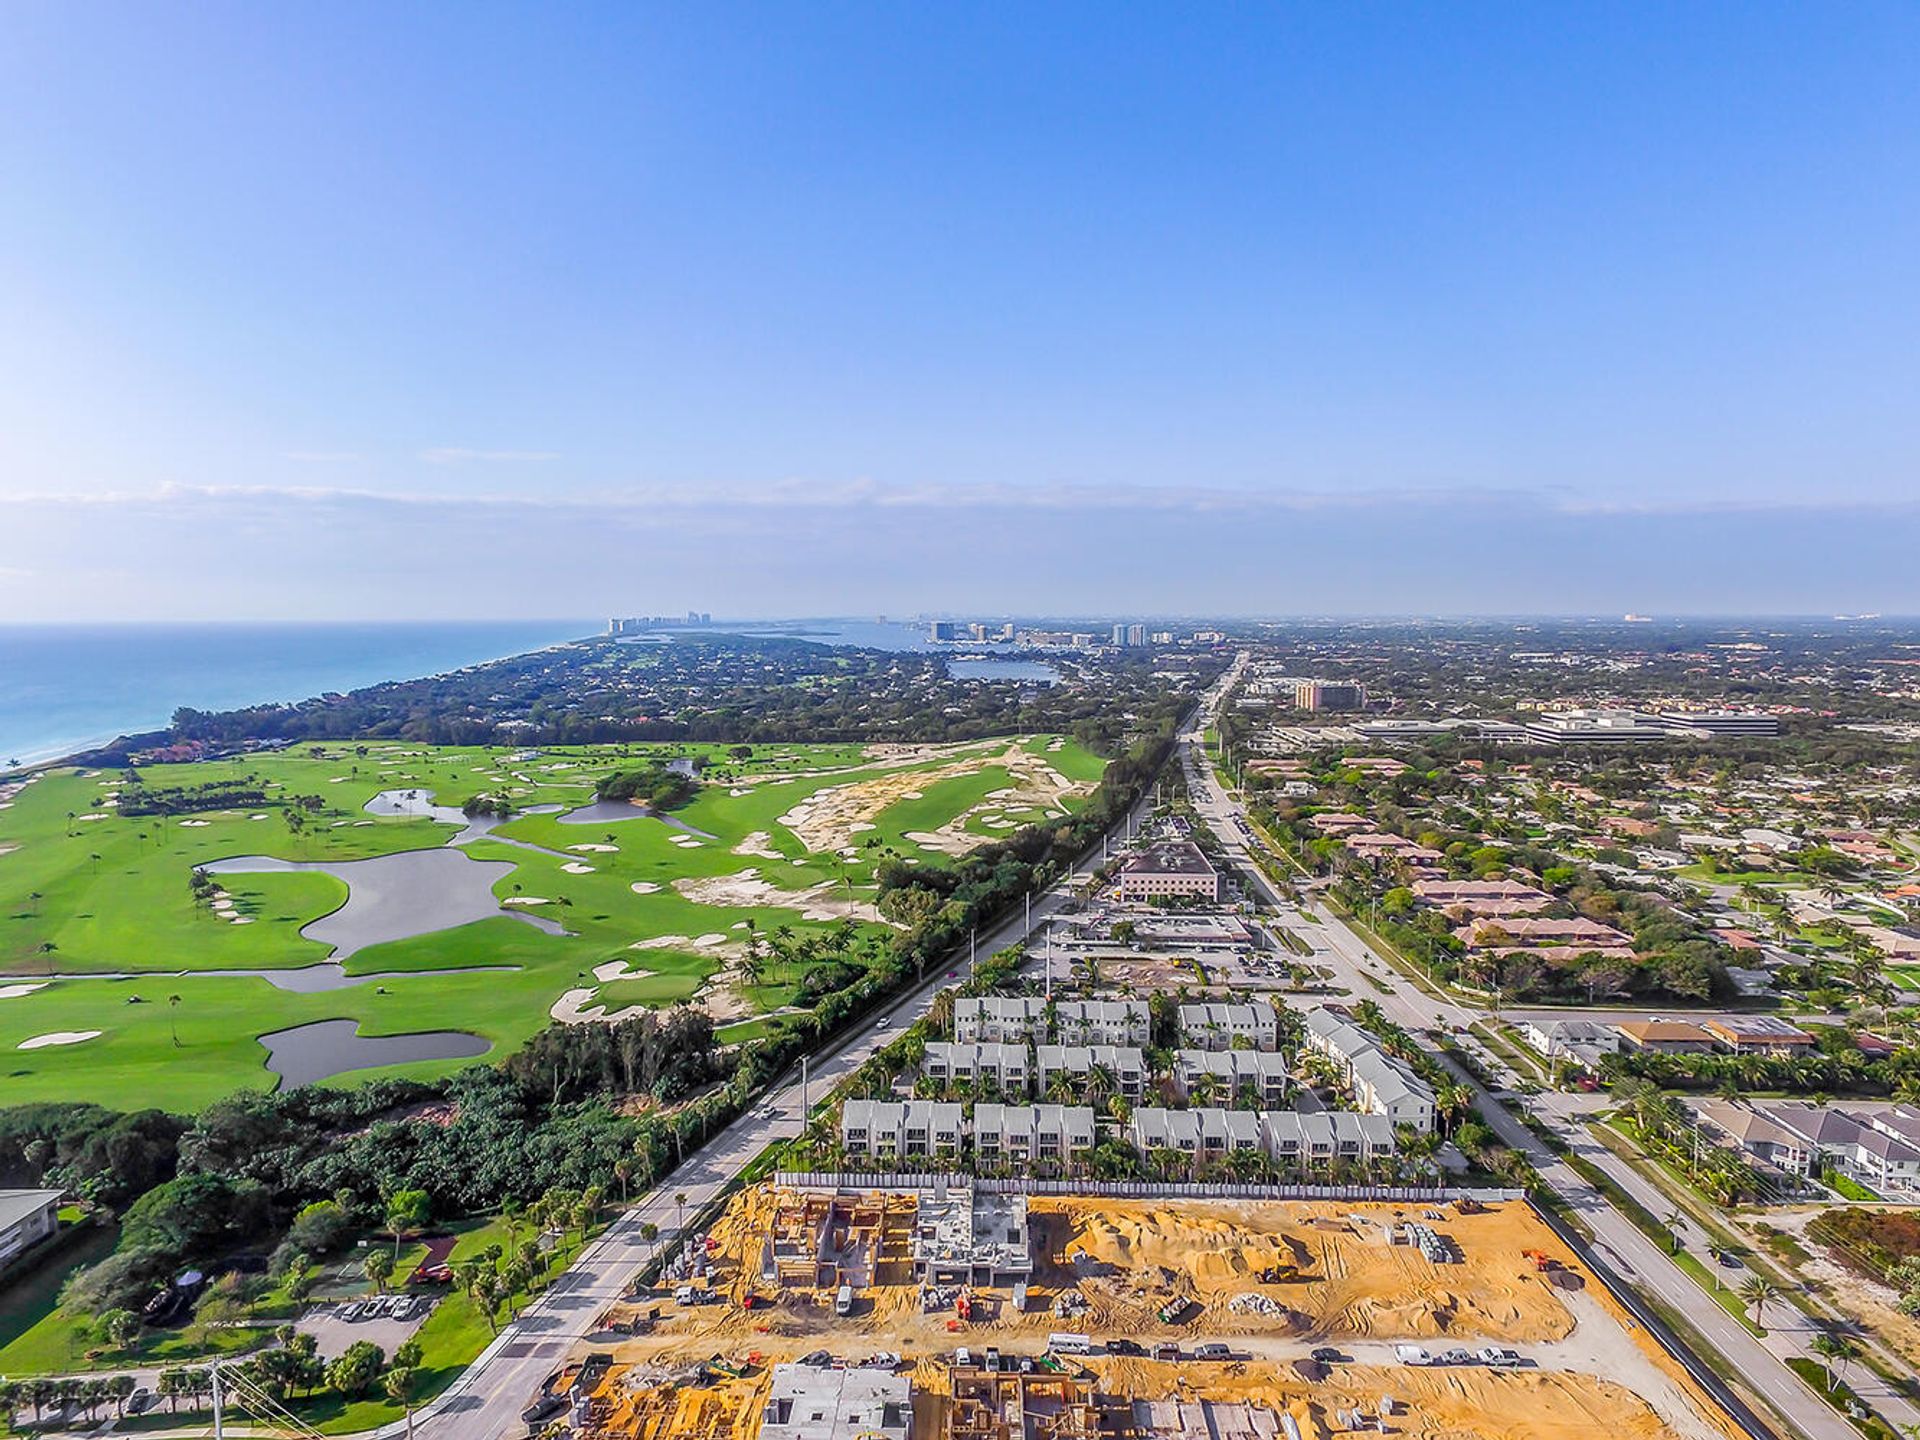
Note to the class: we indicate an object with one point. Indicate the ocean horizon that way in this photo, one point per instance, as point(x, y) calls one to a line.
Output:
point(66, 688)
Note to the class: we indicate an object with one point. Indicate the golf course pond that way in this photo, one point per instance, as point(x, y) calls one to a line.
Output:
point(307, 1054)
point(398, 896)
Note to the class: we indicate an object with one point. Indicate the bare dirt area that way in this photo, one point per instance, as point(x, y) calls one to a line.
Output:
point(1874, 1305)
point(1270, 1279)
point(1184, 1399)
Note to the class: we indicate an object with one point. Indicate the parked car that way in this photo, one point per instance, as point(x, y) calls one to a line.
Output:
point(1499, 1355)
point(1125, 1347)
point(1212, 1350)
point(1327, 1355)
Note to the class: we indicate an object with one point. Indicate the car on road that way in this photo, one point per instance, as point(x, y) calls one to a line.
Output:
point(1212, 1350)
point(140, 1401)
point(1455, 1356)
point(1326, 1355)
point(1499, 1355)
point(1125, 1347)
point(883, 1023)
point(1729, 1261)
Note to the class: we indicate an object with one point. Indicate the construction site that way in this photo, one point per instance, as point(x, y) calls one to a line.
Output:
point(946, 1314)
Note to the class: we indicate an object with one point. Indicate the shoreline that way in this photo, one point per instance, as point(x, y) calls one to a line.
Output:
point(54, 755)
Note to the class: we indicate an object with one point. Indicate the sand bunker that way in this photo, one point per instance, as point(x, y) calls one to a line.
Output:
point(758, 844)
point(594, 849)
point(619, 970)
point(827, 819)
point(526, 900)
point(644, 887)
point(746, 890)
point(57, 1037)
point(14, 992)
point(577, 867)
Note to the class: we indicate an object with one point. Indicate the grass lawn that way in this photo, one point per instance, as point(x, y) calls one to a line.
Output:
point(89, 893)
point(27, 1303)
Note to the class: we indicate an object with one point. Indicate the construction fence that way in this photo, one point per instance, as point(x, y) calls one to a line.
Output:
point(1137, 1189)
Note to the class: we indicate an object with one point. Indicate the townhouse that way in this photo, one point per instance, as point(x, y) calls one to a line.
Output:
point(957, 1063)
point(1126, 1065)
point(1215, 1026)
point(1380, 1084)
point(882, 1129)
point(999, 1019)
point(1285, 1136)
point(1025, 1134)
point(1102, 1022)
point(1264, 1072)
point(1758, 1035)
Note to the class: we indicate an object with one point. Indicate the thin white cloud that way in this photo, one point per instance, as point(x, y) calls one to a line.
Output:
point(794, 495)
point(458, 455)
point(322, 457)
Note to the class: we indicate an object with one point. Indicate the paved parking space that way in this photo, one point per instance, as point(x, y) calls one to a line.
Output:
point(334, 1332)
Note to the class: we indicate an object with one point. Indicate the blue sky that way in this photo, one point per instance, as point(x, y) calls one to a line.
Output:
point(788, 308)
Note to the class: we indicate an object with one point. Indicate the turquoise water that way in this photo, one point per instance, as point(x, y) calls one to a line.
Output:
point(66, 687)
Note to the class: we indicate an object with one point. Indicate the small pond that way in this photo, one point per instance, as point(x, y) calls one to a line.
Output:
point(309, 1053)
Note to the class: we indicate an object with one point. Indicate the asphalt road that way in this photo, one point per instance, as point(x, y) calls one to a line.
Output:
point(1760, 1363)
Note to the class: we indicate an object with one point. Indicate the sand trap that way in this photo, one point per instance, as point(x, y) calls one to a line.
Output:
point(620, 970)
point(860, 827)
point(240, 920)
point(644, 887)
point(185, 824)
point(594, 849)
point(57, 1037)
point(223, 904)
point(577, 867)
point(746, 889)
point(737, 791)
point(758, 844)
point(8, 849)
point(710, 939)
point(526, 900)
point(578, 1007)
point(662, 942)
point(256, 817)
point(14, 992)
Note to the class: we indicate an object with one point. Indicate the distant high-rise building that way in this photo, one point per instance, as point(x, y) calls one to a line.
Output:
point(1120, 633)
point(943, 630)
point(1136, 636)
point(1329, 695)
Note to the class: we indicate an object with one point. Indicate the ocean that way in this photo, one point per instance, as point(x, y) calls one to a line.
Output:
point(66, 687)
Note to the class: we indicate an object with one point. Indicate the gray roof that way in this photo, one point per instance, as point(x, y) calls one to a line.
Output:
point(17, 1205)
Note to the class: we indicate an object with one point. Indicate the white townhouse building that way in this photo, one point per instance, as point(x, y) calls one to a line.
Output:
point(1102, 1022)
point(1262, 1071)
point(1215, 1026)
point(1024, 1133)
point(1286, 1136)
point(953, 1062)
point(878, 1129)
point(1001, 1019)
point(1127, 1064)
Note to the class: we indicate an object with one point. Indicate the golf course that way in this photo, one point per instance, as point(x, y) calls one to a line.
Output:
point(378, 908)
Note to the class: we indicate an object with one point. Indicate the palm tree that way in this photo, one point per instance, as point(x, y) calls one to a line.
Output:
point(173, 1022)
point(1670, 1222)
point(1834, 1352)
point(1756, 1293)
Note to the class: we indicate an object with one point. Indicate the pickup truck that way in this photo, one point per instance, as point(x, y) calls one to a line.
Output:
point(1499, 1355)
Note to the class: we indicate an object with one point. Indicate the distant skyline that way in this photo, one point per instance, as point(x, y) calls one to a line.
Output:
point(343, 311)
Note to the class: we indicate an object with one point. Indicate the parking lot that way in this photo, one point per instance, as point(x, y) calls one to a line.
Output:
point(333, 1331)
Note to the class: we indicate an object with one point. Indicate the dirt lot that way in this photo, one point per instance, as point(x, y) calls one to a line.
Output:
point(1427, 1404)
point(1271, 1279)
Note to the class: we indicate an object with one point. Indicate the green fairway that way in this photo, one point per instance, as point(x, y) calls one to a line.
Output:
point(792, 835)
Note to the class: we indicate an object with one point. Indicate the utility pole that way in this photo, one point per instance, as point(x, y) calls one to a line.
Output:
point(973, 939)
point(1049, 962)
point(1026, 927)
point(806, 1110)
point(219, 1404)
